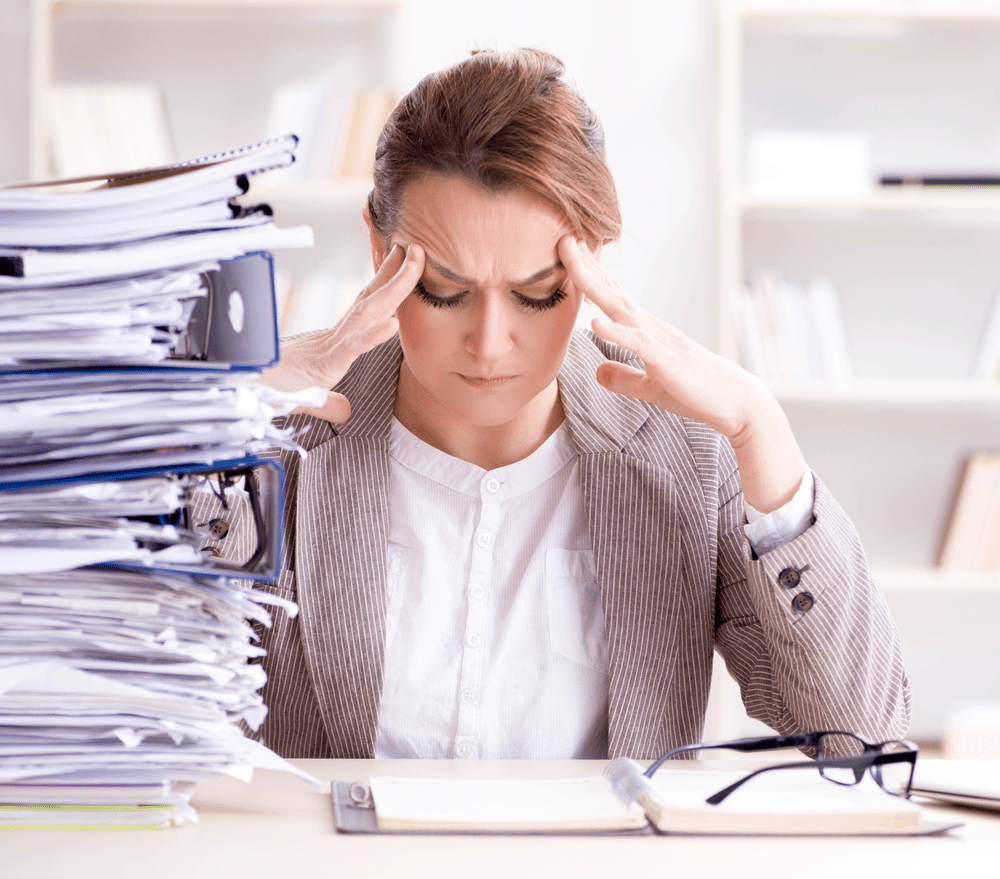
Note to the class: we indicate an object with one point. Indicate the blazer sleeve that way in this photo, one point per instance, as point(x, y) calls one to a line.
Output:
point(804, 630)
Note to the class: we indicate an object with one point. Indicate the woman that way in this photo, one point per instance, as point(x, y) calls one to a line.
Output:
point(514, 539)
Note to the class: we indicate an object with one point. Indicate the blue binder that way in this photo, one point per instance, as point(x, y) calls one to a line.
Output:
point(264, 481)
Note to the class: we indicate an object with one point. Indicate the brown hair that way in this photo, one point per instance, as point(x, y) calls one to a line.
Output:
point(505, 120)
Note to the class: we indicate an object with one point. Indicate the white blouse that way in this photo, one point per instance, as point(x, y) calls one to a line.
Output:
point(495, 644)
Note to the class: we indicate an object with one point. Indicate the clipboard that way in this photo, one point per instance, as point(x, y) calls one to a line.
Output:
point(354, 812)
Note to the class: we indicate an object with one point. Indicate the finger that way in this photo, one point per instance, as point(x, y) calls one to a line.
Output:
point(336, 409)
point(629, 337)
point(658, 359)
point(628, 381)
point(589, 278)
point(381, 303)
point(390, 265)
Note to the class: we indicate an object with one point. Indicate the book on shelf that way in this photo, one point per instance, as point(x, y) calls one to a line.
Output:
point(337, 125)
point(972, 537)
point(369, 111)
point(791, 332)
point(986, 359)
point(941, 179)
point(317, 110)
point(117, 126)
point(622, 800)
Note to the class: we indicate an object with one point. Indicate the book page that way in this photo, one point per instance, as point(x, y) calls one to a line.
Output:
point(514, 805)
point(791, 802)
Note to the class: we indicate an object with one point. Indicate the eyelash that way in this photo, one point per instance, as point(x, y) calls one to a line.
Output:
point(528, 302)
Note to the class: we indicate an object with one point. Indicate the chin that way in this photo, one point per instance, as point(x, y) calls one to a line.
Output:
point(495, 412)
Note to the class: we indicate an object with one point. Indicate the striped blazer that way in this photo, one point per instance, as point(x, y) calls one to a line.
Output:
point(677, 576)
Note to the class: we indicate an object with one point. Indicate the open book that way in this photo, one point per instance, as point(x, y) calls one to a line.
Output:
point(799, 802)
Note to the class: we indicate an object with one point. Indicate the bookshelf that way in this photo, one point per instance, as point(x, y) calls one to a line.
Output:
point(218, 65)
point(914, 268)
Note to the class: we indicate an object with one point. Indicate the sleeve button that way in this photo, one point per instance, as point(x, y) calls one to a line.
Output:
point(802, 602)
point(789, 578)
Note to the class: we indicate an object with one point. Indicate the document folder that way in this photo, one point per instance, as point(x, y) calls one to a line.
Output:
point(233, 327)
point(260, 499)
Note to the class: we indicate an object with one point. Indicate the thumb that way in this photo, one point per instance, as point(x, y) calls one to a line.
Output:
point(336, 409)
point(626, 380)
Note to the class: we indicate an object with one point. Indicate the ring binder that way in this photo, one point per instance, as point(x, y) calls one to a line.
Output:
point(263, 479)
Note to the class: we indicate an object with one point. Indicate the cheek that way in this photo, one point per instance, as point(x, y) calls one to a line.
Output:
point(423, 331)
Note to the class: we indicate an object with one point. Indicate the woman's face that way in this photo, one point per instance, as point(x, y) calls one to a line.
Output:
point(486, 330)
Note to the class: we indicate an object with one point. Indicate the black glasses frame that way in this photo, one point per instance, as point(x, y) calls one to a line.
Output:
point(871, 760)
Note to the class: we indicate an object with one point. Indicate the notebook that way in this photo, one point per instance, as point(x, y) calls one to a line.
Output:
point(790, 803)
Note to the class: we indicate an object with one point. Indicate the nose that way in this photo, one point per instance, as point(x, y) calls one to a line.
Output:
point(489, 336)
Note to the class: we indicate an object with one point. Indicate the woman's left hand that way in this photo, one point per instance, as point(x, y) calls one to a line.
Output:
point(686, 379)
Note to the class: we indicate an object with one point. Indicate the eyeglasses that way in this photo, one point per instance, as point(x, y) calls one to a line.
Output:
point(841, 757)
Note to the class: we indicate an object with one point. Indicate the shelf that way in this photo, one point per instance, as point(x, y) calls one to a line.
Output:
point(936, 199)
point(934, 580)
point(213, 4)
point(934, 11)
point(914, 269)
point(908, 392)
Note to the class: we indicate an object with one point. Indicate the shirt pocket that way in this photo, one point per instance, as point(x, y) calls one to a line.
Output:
point(395, 588)
point(576, 618)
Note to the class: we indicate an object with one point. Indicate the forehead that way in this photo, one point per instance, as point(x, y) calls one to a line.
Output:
point(482, 236)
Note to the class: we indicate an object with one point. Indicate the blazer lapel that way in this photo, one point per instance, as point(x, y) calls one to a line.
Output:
point(632, 511)
point(343, 532)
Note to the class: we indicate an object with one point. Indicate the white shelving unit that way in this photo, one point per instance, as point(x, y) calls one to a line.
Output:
point(218, 64)
point(914, 268)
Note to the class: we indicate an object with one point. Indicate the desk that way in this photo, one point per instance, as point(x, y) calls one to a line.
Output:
point(279, 826)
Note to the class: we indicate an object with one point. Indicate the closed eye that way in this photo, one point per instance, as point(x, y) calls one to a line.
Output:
point(529, 303)
point(550, 301)
point(438, 301)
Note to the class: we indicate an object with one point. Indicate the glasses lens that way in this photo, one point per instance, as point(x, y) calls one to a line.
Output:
point(840, 745)
point(894, 777)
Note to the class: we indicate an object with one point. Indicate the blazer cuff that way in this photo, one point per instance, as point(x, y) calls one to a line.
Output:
point(816, 573)
point(768, 531)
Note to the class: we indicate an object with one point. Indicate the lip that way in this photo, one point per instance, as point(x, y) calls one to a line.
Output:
point(487, 382)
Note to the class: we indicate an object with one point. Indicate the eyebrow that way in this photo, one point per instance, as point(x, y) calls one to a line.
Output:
point(540, 275)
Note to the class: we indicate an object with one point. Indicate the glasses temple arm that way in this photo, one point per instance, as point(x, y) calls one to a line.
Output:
point(862, 762)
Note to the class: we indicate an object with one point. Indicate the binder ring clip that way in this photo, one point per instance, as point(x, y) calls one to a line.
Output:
point(361, 796)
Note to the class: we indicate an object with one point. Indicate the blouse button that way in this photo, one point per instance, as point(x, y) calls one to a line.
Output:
point(493, 485)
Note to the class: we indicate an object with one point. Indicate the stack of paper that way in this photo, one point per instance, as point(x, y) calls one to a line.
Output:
point(130, 313)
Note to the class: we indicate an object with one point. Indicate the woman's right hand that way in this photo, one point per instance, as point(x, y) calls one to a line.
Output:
point(321, 358)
